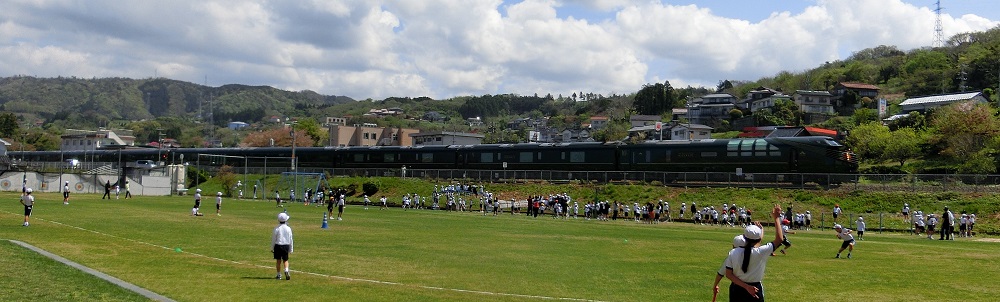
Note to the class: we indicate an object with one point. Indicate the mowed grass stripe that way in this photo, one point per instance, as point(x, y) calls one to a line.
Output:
point(505, 254)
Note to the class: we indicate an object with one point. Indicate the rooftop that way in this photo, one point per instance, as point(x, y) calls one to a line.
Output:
point(859, 86)
point(940, 98)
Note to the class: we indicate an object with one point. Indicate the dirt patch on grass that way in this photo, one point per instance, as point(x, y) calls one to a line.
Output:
point(989, 239)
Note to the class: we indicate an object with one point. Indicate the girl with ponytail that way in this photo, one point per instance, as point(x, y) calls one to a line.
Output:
point(745, 266)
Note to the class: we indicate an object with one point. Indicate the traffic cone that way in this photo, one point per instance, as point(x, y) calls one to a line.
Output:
point(325, 225)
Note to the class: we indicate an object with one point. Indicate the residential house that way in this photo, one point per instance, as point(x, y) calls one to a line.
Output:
point(330, 121)
point(598, 122)
point(684, 131)
point(274, 119)
point(573, 135)
point(923, 103)
point(90, 140)
point(446, 138)
point(650, 131)
point(711, 108)
point(474, 121)
point(640, 120)
point(369, 134)
point(814, 101)
point(861, 89)
point(677, 113)
point(796, 131)
point(237, 125)
point(756, 94)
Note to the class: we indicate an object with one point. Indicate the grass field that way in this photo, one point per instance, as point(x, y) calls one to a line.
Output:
point(423, 255)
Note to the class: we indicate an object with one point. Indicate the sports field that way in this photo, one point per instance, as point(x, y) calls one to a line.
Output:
point(420, 255)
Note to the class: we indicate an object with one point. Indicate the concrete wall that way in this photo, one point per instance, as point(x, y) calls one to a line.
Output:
point(158, 185)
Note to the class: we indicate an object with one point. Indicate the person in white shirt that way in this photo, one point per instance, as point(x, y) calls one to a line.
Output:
point(277, 199)
point(28, 201)
point(906, 212)
point(281, 245)
point(367, 201)
point(972, 224)
point(785, 230)
point(340, 207)
point(745, 266)
point(384, 205)
point(848, 238)
point(836, 212)
point(66, 193)
point(118, 190)
point(932, 222)
point(860, 227)
point(218, 203)
point(738, 241)
point(197, 203)
point(918, 223)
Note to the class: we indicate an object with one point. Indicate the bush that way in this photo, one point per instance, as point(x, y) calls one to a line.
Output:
point(370, 187)
point(882, 170)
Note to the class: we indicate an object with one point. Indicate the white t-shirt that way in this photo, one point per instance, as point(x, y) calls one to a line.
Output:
point(66, 187)
point(861, 225)
point(282, 236)
point(218, 200)
point(758, 262)
point(28, 200)
point(845, 235)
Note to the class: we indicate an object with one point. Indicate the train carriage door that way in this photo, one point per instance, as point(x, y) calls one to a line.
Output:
point(793, 163)
point(460, 160)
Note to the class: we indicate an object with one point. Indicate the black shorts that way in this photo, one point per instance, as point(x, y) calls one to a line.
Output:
point(27, 210)
point(281, 252)
point(920, 229)
point(197, 204)
point(340, 208)
point(809, 222)
point(835, 215)
point(930, 228)
point(847, 243)
point(218, 206)
point(66, 194)
point(785, 242)
point(329, 206)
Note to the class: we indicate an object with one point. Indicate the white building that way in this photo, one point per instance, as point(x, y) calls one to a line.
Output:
point(690, 132)
point(90, 140)
point(446, 138)
point(933, 101)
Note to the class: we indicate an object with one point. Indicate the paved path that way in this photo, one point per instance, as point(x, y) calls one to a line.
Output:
point(113, 280)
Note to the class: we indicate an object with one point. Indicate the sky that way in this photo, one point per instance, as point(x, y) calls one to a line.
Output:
point(446, 48)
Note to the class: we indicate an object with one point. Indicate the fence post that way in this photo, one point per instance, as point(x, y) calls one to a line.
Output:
point(822, 221)
point(880, 222)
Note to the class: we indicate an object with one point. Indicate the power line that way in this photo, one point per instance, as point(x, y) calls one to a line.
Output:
point(938, 28)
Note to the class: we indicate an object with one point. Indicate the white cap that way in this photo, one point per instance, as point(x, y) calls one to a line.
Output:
point(837, 226)
point(218, 193)
point(28, 190)
point(197, 190)
point(739, 241)
point(67, 181)
point(282, 217)
point(753, 232)
point(861, 218)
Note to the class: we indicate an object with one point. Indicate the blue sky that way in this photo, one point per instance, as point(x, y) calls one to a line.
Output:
point(445, 48)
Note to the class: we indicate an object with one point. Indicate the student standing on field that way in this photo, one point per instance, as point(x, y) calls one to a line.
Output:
point(745, 266)
point(836, 212)
point(196, 210)
point(107, 190)
point(118, 191)
point(281, 246)
point(738, 242)
point(277, 198)
point(27, 201)
point(947, 225)
point(860, 226)
point(218, 203)
point(848, 238)
point(128, 193)
point(65, 192)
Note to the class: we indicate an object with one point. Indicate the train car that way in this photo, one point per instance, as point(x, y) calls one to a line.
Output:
point(774, 156)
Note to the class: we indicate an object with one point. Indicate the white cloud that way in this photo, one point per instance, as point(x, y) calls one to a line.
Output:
point(444, 48)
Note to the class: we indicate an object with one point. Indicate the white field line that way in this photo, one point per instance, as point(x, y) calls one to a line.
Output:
point(319, 274)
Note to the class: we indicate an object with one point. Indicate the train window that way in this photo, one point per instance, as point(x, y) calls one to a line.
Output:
point(709, 154)
point(746, 153)
point(376, 157)
point(760, 145)
point(576, 157)
point(773, 148)
point(775, 153)
point(746, 144)
point(526, 157)
point(390, 158)
point(733, 154)
point(427, 157)
point(734, 145)
point(760, 153)
point(486, 157)
point(359, 158)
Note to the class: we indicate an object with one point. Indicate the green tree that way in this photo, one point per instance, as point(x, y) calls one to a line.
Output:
point(865, 115)
point(9, 126)
point(227, 178)
point(868, 140)
point(902, 145)
point(735, 114)
point(966, 128)
point(654, 99)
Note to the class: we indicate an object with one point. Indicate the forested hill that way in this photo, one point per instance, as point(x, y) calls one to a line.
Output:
point(98, 101)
